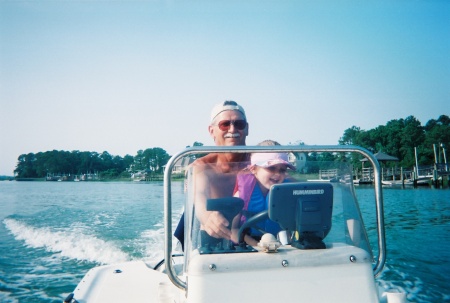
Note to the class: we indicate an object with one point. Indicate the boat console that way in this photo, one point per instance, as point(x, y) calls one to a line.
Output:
point(327, 246)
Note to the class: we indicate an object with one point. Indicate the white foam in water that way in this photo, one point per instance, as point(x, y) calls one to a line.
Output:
point(7, 298)
point(398, 281)
point(153, 240)
point(71, 243)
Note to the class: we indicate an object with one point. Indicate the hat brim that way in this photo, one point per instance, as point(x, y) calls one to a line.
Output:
point(270, 163)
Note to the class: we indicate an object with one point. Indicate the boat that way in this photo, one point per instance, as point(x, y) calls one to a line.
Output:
point(406, 182)
point(139, 176)
point(327, 258)
point(424, 180)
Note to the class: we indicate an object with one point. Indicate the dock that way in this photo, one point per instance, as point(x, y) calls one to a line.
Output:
point(436, 175)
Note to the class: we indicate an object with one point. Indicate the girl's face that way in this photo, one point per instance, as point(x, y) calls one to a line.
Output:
point(269, 176)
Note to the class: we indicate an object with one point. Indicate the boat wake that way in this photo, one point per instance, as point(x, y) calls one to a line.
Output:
point(72, 243)
point(399, 279)
point(152, 242)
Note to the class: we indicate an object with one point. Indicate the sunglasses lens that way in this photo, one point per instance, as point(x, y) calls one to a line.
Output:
point(225, 124)
point(240, 124)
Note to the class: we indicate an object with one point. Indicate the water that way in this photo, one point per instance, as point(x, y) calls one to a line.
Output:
point(418, 240)
point(51, 233)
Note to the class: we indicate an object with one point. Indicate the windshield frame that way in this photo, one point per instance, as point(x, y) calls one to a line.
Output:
point(380, 258)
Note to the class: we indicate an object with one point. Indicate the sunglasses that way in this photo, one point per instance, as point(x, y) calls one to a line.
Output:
point(224, 125)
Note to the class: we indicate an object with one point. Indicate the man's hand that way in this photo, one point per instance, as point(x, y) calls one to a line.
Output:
point(217, 226)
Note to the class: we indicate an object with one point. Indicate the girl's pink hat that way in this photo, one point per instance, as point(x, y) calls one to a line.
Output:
point(269, 159)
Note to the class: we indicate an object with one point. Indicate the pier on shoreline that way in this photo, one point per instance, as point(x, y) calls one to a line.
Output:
point(436, 175)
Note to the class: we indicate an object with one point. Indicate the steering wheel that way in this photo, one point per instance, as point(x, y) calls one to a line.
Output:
point(264, 215)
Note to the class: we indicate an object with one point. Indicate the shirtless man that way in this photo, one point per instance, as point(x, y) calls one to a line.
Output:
point(228, 127)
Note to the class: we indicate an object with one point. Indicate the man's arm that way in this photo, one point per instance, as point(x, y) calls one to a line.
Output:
point(213, 222)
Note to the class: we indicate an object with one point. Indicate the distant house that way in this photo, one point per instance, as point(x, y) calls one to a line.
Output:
point(181, 165)
point(299, 160)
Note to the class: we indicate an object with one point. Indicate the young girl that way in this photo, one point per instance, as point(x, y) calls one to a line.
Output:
point(253, 185)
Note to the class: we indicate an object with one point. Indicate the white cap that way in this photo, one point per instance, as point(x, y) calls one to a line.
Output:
point(226, 105)
point(270, 159)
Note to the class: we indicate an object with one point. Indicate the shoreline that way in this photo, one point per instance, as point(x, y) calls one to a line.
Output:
point(156, 178)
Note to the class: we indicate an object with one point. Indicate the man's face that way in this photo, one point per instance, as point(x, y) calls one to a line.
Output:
point(232, 135)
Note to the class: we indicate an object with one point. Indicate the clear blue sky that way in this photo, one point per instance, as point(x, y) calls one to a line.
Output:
point(127, 75)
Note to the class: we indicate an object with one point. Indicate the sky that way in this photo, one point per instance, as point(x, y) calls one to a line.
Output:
point(122, 76)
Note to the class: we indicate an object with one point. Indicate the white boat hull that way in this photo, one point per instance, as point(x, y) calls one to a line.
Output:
point(398, 182)
point(312, 275)
point(124, 282)
point(307, 274)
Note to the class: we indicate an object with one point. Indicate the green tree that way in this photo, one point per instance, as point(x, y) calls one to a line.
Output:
point(437, 132)
point(394, 138)
point(76, 162)
point(155, 159)
point(106, 161)
point(25, 166)
point(138, 163)
point(351, 136)
point(399, 138)
point(128, 161)
point(413, 135)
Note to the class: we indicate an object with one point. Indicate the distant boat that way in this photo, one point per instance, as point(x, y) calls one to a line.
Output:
point(139, 176)
point(364, 181)
point(397, 182)
point(424, 180)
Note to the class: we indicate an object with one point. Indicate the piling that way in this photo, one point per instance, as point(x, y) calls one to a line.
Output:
point(402, 177)
point(415, 177)
point(435, 177)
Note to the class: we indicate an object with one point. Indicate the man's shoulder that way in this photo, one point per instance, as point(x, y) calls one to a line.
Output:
point(220, 163)
point(208, 159)
point(218, 157)
point(205, 163)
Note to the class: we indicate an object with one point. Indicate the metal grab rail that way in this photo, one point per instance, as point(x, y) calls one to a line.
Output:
point(381, 258)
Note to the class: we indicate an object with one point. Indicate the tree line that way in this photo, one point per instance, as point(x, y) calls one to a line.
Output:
point(39, 165)
point(399, 137)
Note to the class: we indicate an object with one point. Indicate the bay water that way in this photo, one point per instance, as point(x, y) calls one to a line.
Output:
point(52, 233)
